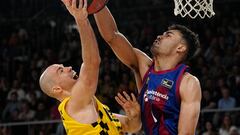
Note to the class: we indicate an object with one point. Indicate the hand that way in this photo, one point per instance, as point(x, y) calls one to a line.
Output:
point(79, 11)
point(130, 106)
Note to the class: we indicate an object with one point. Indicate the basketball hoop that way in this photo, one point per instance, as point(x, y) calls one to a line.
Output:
point(194, 8)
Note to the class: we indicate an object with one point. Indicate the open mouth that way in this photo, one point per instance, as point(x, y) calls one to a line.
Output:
point(75, 76)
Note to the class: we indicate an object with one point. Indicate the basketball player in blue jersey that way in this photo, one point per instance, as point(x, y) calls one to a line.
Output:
point(81, 112)
point(168, 94)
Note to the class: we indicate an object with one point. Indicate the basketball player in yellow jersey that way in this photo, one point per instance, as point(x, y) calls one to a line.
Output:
point(81, 112)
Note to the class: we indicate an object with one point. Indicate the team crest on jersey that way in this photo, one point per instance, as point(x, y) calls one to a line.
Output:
point(167, 83)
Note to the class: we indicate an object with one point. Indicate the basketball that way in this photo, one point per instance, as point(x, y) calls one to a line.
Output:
point(95, 5)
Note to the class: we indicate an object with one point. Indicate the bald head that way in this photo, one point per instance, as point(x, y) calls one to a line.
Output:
point(47, 82)
point(57, 81)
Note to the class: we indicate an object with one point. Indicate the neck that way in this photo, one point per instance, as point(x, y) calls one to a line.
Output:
point(165, 63)
point(61, 97)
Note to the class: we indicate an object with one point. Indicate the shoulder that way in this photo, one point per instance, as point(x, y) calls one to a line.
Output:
point(142, 56)
point(190, 87)
point(190, 80)
point(144, 61)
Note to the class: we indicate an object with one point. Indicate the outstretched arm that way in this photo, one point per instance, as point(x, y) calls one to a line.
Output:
point(86, 85)
point(118, 42)
point(190, 93)
point(135, 59)
point(131, 122)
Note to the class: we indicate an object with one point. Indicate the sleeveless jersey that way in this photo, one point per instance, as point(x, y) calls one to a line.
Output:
point(106, 124)
point(160, 101)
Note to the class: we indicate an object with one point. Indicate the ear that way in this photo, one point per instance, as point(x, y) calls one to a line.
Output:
point(56, 89)
point(181, 48)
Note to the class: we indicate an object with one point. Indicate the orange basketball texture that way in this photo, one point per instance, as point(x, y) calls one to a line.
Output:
point(95, 5)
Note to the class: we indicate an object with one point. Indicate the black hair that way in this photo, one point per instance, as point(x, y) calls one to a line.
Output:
point(191, 38)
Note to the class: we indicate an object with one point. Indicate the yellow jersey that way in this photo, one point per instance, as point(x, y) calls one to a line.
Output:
point(106, 123)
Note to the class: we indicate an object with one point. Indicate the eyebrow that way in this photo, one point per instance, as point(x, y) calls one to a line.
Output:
point(169, 32)
point(59, 68)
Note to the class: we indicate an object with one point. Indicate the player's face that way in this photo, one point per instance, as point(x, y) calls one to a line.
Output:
point(166, 43)
point(64, 76)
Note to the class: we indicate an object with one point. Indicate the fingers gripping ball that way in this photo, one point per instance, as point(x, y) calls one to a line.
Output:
point(95, 5)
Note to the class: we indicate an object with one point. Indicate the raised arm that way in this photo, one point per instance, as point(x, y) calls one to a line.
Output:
point(117, 41)
point(135, 59)
point(190, 93)
point(85, 87)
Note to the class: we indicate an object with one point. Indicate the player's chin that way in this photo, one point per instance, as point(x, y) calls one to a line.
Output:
point(153, 50)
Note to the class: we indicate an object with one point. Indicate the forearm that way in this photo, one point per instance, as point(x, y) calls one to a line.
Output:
point(117, 41)
point(129, 125)
point(106, 24)
point(90, 53)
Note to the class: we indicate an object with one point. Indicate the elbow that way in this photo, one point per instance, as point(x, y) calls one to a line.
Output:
point(111, 37)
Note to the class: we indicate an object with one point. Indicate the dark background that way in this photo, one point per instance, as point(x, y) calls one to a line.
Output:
point(37, 33)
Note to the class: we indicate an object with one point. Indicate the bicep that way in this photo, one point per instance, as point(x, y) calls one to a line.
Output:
point(190, 93)
point(124, 50)
point(85, 87)
point(188, 117)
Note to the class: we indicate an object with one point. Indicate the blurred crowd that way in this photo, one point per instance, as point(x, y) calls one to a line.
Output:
point(33, 38)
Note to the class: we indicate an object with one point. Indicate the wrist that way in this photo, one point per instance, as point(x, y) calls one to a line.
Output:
point(81, 21)
point(80, 18)
point(135, 118)
point(135, 125)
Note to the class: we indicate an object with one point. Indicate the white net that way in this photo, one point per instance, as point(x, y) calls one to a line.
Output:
point(194, 8)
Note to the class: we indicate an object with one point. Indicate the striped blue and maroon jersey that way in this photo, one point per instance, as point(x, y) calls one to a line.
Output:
point(160, 100)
